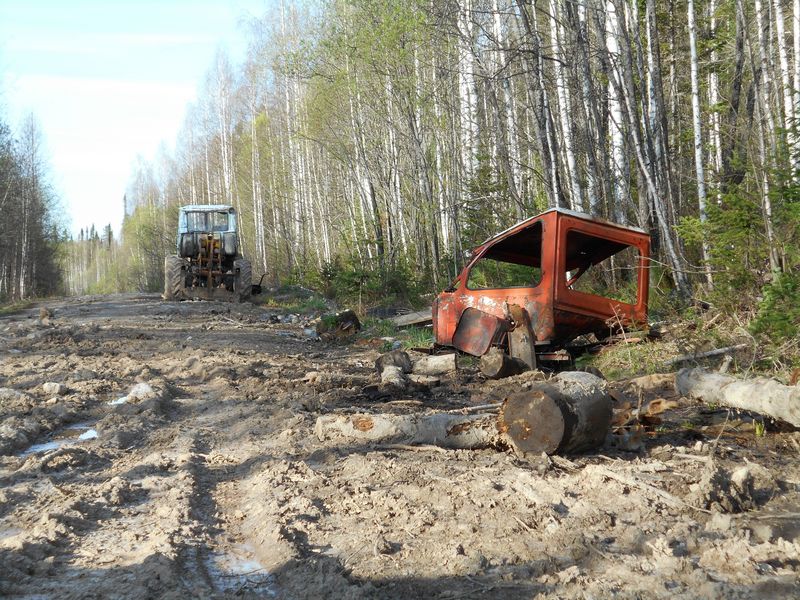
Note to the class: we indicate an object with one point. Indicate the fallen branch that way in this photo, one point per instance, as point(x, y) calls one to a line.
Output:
point(760, 395)
point(709, 354)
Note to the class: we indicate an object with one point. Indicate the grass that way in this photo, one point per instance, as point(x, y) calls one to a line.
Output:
point(417, 337)
point(313, 304)
point(622, 361)
point(380, 327)
point(14, 307)
point(410, 337)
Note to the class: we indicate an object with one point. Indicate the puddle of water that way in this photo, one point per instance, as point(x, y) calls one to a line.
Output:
point(238, 570)
point(67, 436)
point(89, 434)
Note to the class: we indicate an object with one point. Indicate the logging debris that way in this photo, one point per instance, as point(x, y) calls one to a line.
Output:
point(760, 394)
point(570, 413)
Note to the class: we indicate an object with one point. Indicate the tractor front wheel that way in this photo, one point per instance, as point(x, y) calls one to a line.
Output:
point(174, 278)
point(243, 284)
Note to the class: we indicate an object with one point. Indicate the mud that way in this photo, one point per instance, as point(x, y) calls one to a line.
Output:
point(206, 479)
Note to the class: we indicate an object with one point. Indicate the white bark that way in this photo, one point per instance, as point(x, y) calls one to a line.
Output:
point(436, 364)
point(698, 137)
point(788, 117)
point(713, 100)
point(796, 44)
point(619, 165)
point(466, 88)
point(761, 395)
point(564, 102)
point(767, 138)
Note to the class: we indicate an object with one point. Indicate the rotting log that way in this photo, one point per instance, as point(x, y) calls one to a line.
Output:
point(496, 364)
point(761, 395)
point(435, 364)
point(570, 413)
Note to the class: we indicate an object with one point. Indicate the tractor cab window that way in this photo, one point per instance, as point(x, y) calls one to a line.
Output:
point(602, 267)
point(218, 221)
point(207, 221)
point(515, 261)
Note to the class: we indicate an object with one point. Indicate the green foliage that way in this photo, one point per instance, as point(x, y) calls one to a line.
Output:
point(738, 249)
point(488, 273)
point(379, 327)
point(417, 337)
point(350, 283)
point(14, 307)
point(778, 314)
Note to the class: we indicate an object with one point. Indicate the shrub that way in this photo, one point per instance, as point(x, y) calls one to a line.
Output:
point(779, 311)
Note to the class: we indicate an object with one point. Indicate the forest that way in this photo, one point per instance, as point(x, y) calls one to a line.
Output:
point(31, 247)
point(368, 144)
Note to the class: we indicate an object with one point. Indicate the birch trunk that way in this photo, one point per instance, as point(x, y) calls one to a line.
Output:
point(620, 174)
point(788, 117)
point(564, 104)
point(698, 139)
point(768, 133)
point(714, 132)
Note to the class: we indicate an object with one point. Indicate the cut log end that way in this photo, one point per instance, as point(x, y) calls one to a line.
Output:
point(531, 423)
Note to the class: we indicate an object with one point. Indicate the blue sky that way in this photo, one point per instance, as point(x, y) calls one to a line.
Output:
point(109, 80)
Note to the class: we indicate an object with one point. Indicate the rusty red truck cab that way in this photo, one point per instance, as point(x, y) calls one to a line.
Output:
point(571, 274)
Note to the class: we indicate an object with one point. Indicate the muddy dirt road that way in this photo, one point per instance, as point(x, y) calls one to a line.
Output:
point(152, 449)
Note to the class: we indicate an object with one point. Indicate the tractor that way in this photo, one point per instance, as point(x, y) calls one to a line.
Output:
point(208, 265)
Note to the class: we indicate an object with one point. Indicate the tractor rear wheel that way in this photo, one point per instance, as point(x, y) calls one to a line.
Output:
point(174, 278)
point(243, 284)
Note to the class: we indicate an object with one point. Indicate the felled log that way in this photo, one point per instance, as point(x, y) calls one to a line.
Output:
point(392, 375)
point(435, 364)
point(440, 429)
point(496, 364)
point(570, 413)
point(762, 395)
point(521, 339)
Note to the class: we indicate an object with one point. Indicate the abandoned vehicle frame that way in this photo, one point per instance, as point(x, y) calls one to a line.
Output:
point(545, 281)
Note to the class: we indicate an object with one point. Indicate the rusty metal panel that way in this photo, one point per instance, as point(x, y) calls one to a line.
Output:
point(521, 339)
point(477, 331)
point(556, 313)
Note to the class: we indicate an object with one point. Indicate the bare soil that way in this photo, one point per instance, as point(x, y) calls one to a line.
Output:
point(208, 481)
